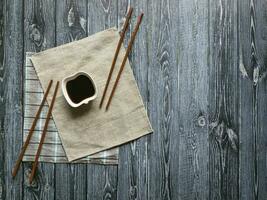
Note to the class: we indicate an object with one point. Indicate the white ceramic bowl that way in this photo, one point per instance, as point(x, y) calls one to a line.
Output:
point(65, 92)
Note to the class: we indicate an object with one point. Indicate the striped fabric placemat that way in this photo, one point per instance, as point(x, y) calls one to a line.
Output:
point(52, 150)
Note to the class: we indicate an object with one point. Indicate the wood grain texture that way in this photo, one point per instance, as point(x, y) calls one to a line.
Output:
point(247, 100)
point(201, 70)
point(224, 101)
point(2, 106)
point(190, 104)
point(102, 14)
point(11, 96)
point(71, 20)
point(39, 25)
point(132, 171)
point(101, 181)
point(253, 165)
point(261, 143)
point(162, 103)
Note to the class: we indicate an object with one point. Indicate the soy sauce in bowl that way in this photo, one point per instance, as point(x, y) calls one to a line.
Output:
point(80, 88)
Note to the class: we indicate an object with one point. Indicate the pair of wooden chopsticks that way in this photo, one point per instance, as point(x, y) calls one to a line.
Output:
point(24, 147)
point(126, 24)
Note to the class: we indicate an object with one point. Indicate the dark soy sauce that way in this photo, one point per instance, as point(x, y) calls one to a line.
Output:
point(80, 88)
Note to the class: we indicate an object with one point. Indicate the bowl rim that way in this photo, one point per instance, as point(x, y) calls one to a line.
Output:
point(72, 77)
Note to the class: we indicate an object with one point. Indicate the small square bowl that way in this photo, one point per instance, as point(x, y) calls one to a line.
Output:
point(74, 77)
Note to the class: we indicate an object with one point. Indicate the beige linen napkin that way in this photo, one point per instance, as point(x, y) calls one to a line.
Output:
point(87, 130)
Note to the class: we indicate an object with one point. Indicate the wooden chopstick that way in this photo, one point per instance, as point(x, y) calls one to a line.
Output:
point(125, 26)
point(34, 167)
point(125, 58)
point(26, 143)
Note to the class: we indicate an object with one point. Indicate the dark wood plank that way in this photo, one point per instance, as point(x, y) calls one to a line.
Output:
point(71, 19)
point(2, 107)
point(102, 183)
point(133, 176)
point(261, 141)
point(71, 181)
point(246, 176)
point(39, 25)
point(162, 168)
point(102, 14)
point(253, 165)
point(201, 69)
point(102, 180)
point(190, 88)
point(11, 96)
point(223, 101)
point(162, 79)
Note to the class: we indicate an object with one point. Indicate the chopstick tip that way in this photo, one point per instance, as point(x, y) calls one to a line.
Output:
point(30, 181)
point(107, 107)
point(13, 174)
point(57, 85)
point(50, 83)
point(140, 17)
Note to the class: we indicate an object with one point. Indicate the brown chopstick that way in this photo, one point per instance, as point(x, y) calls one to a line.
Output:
point(34, 167)
point(125, 58)
point(125, 26)
point(26, 143)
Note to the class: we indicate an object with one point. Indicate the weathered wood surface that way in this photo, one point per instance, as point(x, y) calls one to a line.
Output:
point(39, 34)
point(2, 110)
point(223, 101)
point(201, 70)
point(11, 97)
point(133, 177)
point(253, 140)
point(101, 181)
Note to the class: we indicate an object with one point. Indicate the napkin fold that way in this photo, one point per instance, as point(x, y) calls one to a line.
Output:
point(87, 130)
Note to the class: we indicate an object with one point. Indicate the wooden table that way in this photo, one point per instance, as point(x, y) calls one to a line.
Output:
point(201, 69)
